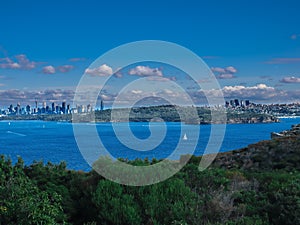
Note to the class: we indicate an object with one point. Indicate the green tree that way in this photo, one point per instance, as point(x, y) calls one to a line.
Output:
point(171, 202)
point(21, 200)
point(114, 206)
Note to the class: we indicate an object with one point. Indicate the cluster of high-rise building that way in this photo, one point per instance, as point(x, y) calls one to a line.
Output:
point(239, 106)
point(53, 108)
point(237, 103)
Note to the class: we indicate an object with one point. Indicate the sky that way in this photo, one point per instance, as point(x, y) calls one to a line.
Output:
point(252, 47)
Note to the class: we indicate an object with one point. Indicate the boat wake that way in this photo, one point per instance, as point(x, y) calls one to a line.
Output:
point(21, 135)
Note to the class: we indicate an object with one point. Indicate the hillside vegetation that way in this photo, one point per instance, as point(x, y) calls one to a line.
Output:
point(255, 185)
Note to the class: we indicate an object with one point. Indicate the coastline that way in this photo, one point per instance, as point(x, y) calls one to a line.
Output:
point(167, 113)
point(288, 117)
point(238, 120)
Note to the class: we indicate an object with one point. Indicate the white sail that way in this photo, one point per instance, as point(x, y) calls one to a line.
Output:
point(185, 137)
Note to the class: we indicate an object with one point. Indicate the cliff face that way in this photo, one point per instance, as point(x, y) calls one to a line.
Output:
point(254, 119)
point(294, 132)
point(282, 152)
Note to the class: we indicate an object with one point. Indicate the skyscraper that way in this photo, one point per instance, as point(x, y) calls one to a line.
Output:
point(101, 105)
point(236, 102)
point(68, 109)
point(53, 107)
point(63, 107)
point(28, 109)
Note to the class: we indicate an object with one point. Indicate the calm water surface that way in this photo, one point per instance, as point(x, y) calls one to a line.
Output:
point(55, 142)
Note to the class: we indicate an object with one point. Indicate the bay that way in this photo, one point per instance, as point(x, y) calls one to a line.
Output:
point(55, 141)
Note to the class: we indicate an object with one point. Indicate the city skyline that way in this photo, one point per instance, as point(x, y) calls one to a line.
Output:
point(45, 108)
point(45, 48)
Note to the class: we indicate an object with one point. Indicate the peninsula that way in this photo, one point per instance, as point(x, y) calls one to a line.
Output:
point(167, 113)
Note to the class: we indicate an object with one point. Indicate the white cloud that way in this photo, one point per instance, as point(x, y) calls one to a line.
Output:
point(230, 69)
point(25, 62)
point(5, 60)
point(118, 73)
point(20, 62)
point(101, 71)
point(136, 91)
point(256, 93)
point(163, 79)
point(25, 97)
point(7, 63)
point(167, 91)
point(290, 80)
point(226, 76)
point(65, 68)
point(225, 73)
point(145, 71)
point(260, 91)
point(48, 70)
point(107, 97)
point(218, 69)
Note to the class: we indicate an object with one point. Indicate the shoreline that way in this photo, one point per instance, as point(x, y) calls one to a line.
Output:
point(115, 122)
point(288, 117)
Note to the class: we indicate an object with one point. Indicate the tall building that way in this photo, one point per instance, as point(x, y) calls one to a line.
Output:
point(81, 109)
point(28, 109)
point(68, 109)
point(18, 109)
point(236, 102)
point(57, 109)
point(53, 107)
point(63, 107)
point(89, 108)
point(101, 105)
point(242, 103)
point(11, 108)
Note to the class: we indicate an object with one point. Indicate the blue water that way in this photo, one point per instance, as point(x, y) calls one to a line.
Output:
point(55, 142)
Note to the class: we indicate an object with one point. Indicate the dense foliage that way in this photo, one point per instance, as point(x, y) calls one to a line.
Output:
point(51, 194)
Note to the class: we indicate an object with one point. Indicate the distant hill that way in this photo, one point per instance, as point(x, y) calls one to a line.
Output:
point(168, 113)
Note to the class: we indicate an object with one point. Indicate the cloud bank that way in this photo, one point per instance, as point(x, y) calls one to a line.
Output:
point(25, 97)
point(260, 93)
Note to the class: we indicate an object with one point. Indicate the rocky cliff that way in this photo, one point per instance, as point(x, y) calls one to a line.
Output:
point(281, 152)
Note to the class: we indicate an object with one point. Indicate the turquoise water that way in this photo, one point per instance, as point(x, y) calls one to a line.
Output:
point(55, 142)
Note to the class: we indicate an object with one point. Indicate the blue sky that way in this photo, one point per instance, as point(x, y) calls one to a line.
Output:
point(253, 47)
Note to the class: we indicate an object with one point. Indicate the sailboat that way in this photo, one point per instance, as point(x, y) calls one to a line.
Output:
point(184, 137)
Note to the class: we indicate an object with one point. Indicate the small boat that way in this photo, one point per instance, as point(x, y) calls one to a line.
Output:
point(184, 137)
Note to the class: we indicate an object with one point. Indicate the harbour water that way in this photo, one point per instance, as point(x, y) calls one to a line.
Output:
point(55, 141)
